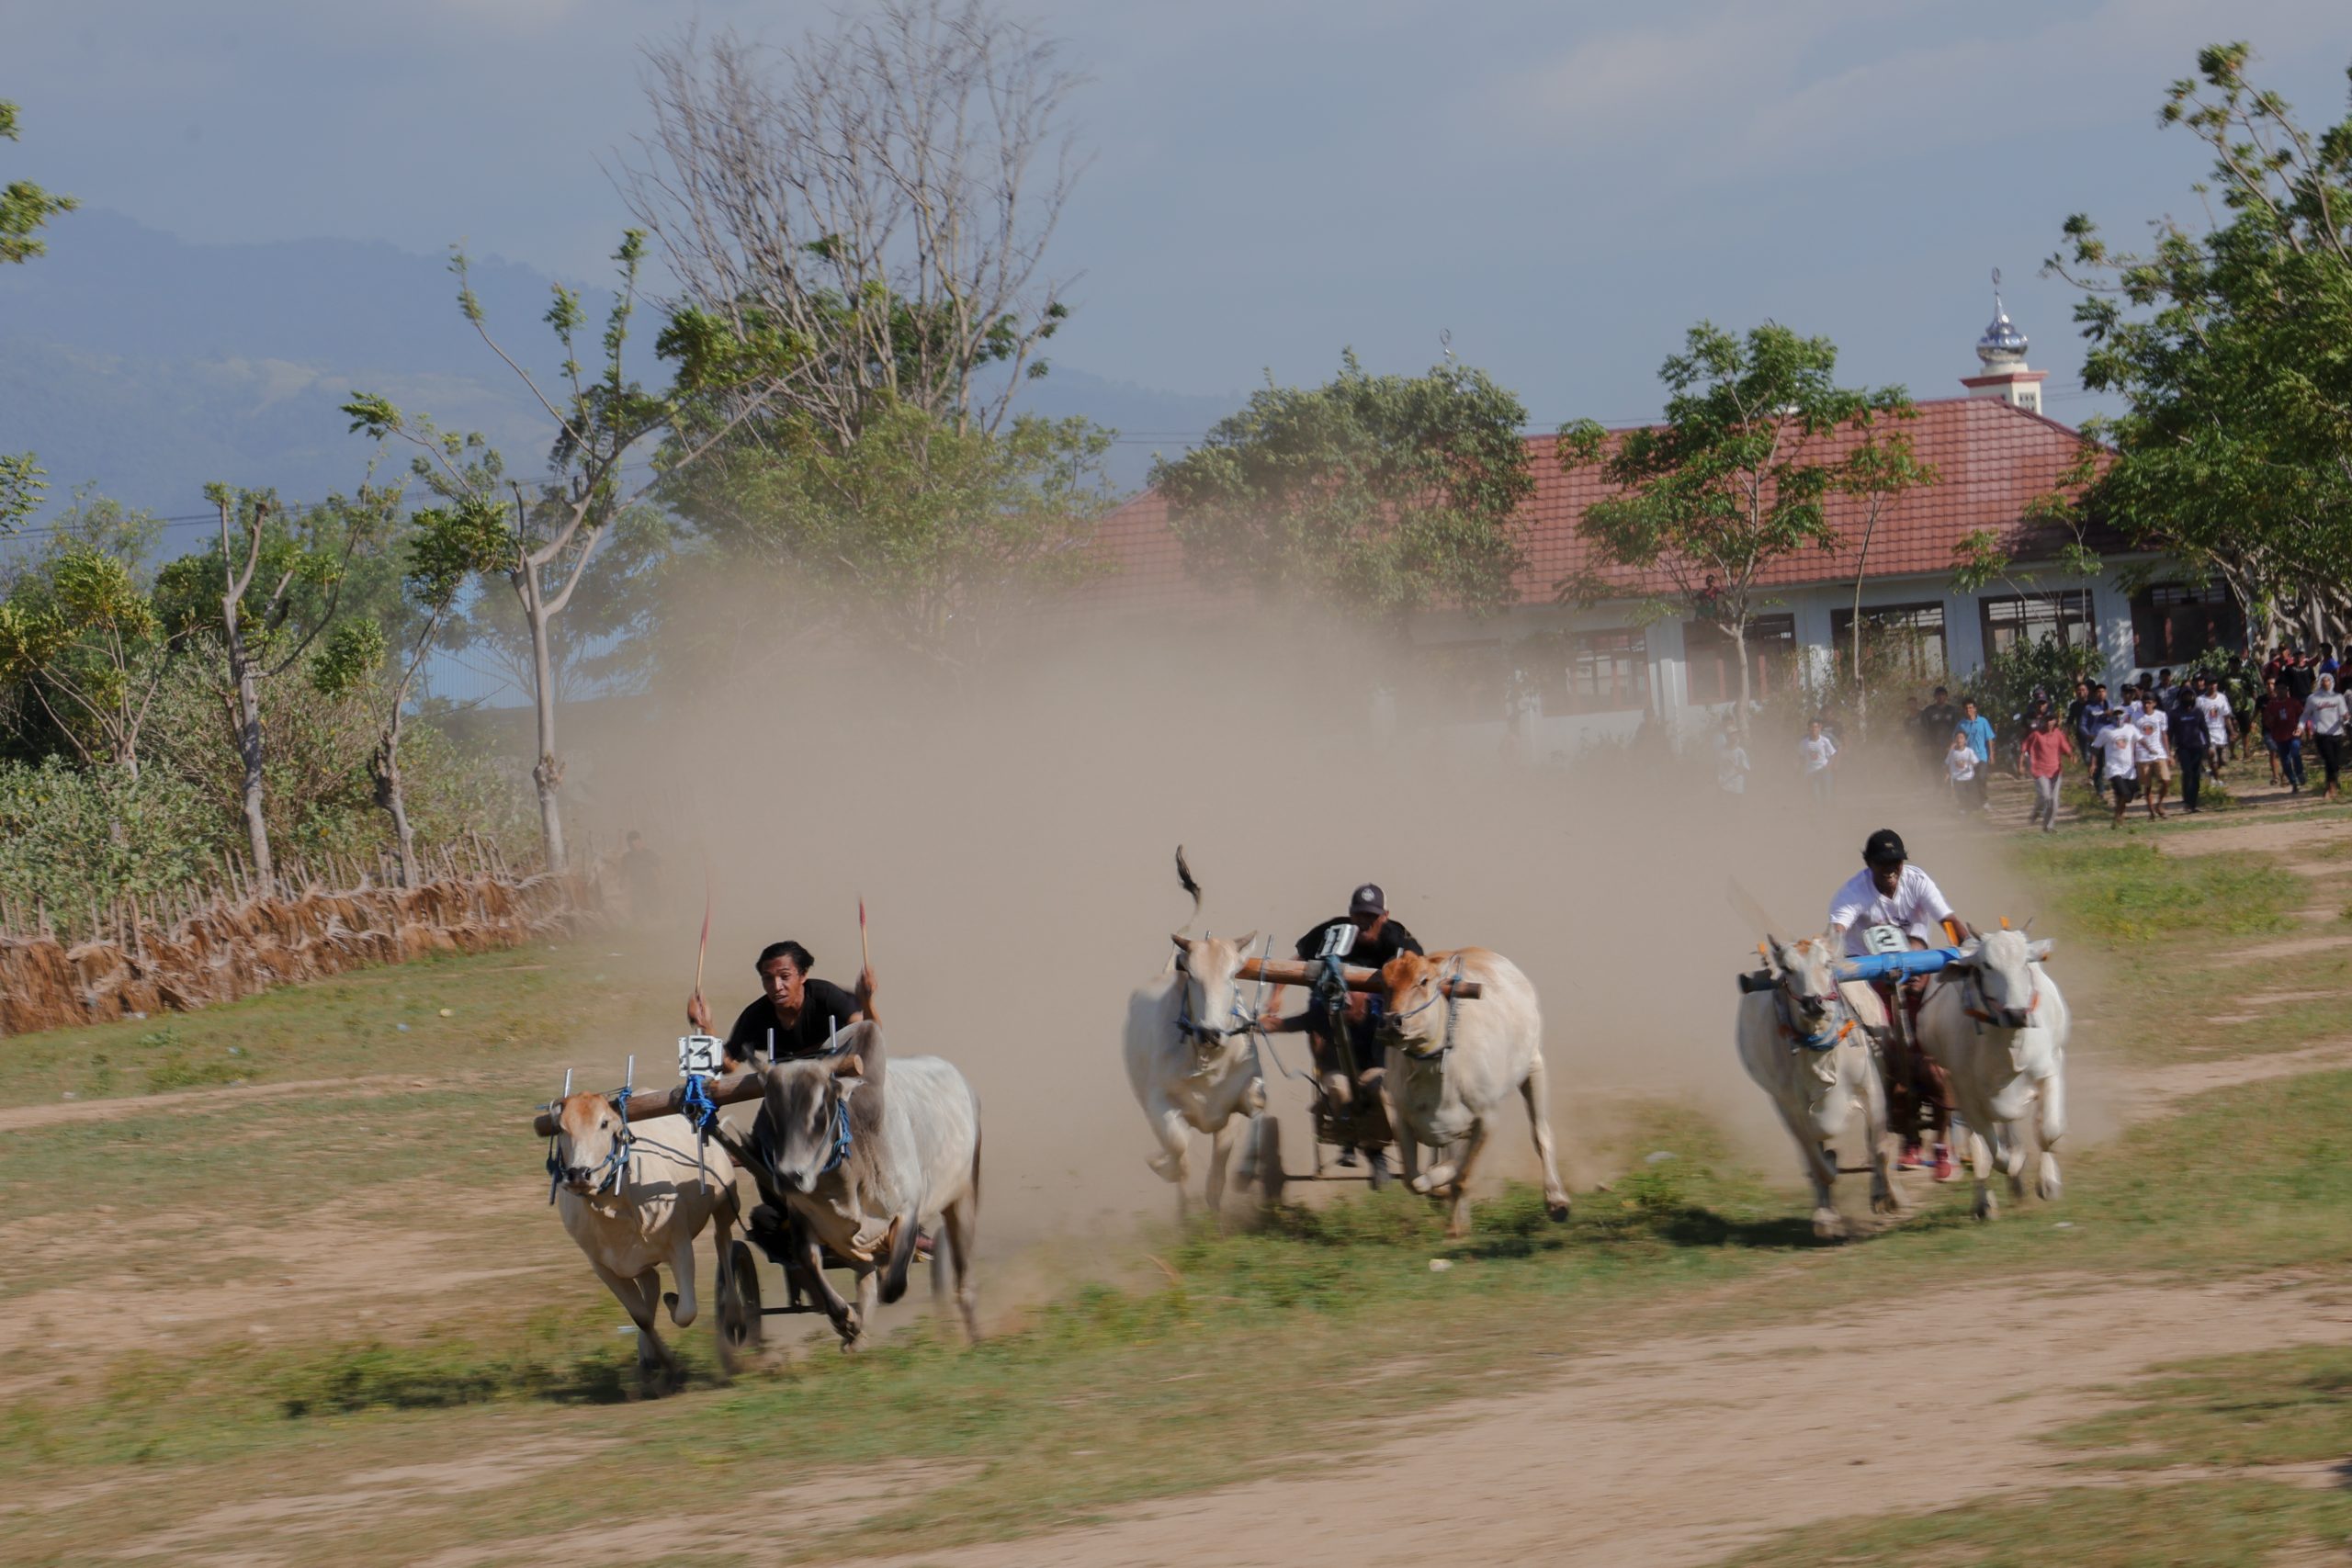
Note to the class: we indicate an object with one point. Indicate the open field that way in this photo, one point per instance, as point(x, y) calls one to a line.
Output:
point(323, 1314)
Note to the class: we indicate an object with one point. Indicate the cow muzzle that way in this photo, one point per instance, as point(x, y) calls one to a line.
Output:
point(2016, 1018)
point(578, 1178)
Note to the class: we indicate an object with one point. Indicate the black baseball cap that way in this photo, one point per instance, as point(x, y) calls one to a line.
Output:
point(1884, 848)
point(1367, 900)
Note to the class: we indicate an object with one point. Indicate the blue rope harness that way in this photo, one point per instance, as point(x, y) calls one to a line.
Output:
point(841, 1137)
point(696, 1103)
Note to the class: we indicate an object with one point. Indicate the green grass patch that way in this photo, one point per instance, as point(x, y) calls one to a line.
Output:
point(2271, 1407)
point(2132, 892)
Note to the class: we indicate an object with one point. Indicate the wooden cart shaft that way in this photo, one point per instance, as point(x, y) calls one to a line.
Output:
point(1306, 972)
point(732, 1089)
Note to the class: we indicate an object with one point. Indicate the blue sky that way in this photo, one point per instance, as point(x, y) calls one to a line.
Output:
point(1564, 187)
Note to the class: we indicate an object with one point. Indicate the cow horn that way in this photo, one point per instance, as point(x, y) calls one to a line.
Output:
point(1184, 876)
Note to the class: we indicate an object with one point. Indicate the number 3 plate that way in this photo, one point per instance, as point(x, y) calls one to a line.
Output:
point(703, 1053)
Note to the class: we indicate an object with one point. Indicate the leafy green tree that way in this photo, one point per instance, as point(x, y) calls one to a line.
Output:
point(1882, 469)
point(1378, 493)
point(264, 596)
point(930, 536)
point(1735, 479)
point(25, 210)
point(602, 420)
point(82, 638)
point(447, 547)
point(2227, 342)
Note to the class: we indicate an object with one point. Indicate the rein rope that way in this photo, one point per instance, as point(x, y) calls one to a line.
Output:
point(1446, 989)
point(1821, 1039)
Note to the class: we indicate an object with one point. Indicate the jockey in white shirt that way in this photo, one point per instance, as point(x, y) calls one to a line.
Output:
point(1889, 891)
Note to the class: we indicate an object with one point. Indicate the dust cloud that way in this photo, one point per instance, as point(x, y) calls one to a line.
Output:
point(1013, 844)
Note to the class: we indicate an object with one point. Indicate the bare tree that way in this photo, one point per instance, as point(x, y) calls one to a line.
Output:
point(875, 203)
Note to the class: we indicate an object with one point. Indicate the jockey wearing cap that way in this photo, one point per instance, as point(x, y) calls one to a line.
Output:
point(1343, 1026)
point(1889, 891)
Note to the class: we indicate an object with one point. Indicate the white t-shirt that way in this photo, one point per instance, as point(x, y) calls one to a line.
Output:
point(1960, 762)
point(1816, 753)
point(1731, 766)
point(2216, 709)
point(2324, 712)
point(2122, 744)
point(1916, 905)
point(2150, 722)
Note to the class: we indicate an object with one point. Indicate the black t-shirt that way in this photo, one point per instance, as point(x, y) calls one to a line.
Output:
point(823, 1007)
point(1937, 721)
point(1371, 952)
point(2299, 678)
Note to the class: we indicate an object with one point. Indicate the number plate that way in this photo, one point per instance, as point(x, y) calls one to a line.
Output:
point(1886, 939)
point(704, 1054)
point(1339, 941)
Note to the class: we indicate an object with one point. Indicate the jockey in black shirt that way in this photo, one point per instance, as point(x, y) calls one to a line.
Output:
point(1342, 1026)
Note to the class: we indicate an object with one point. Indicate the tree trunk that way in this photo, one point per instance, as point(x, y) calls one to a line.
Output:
point(249, 751)
point(384, 769)
point(1739, 650)
point(548, 773)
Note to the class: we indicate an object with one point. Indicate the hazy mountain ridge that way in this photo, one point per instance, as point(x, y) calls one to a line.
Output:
point(146, 366)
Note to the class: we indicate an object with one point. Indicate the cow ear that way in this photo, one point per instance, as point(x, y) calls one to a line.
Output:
point(1243, 944)
point(849, 1069)
point(2035, 951)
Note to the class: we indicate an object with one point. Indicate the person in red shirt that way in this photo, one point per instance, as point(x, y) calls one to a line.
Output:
point(2046, 749)
point(2282, 721)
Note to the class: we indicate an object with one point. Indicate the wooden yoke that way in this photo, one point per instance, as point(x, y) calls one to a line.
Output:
point(732, 1089)
point(1306, 972)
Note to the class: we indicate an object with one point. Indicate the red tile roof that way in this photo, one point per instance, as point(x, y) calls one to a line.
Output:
point(1994, 461)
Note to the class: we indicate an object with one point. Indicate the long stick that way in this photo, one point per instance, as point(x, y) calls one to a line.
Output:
point(696, 1010)
point(865, 963)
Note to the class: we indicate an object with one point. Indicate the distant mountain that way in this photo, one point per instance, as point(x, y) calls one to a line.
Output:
point(147, 366)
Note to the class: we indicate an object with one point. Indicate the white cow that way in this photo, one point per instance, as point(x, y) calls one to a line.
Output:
point(1803, 1047)
point(1999, 1026)
point(1453, 1064)
point(634, 1198)
point(1193, 1062)
point(867, 1148)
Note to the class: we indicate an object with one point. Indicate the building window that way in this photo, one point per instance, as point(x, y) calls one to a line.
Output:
point(1910, 637)
point(1713, 669)
point(2033, 618)
point(2172, 624)
point(1597, 672)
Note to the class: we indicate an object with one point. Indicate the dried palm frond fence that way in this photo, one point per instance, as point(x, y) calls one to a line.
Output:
point(188, 948)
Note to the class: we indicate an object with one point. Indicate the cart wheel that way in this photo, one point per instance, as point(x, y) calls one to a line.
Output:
point(1271, 1175)
point(739, 1307)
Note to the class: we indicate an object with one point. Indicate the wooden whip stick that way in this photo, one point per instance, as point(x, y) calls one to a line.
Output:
point(698, 1010)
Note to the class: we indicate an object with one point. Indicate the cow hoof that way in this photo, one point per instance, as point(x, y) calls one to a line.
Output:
point(1421, 1184)
point(1983, 1209)
point(1557, 1212)
point(2049, 1185)
point(1828, 1225)
point(1164, 1166)
point(1885, 1203)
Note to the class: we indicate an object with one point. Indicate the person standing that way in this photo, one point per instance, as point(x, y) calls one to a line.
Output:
point(2282, 726)
point(1979, 731)
point(2046, 749)
point(2191, 744)
point(2324, 717)
point(1732, 766)
point(1817, 755)
point(2118, 744)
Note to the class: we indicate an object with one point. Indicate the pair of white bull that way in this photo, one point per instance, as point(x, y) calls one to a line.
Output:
point(637, 1197)
point(1192, 1063)
point(1995, 1022)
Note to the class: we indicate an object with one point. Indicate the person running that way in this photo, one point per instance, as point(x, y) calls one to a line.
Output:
point(2046, 749)
point(2117, 746)
point(2213, 707)
point(1979, 731)
point(2155, 752)
point(1961, 766)
point(1818, 754)
point(2191, 741)
point(2325, 718)
point(2092, 719)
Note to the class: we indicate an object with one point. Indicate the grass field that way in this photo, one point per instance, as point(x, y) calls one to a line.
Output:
point(1224, 1348)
